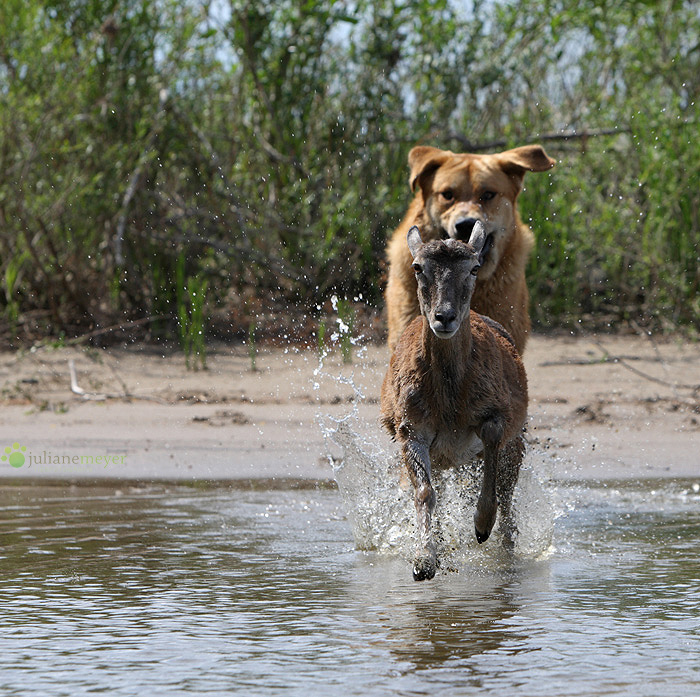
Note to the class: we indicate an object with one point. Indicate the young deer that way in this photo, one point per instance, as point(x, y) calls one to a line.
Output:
point(455, 377)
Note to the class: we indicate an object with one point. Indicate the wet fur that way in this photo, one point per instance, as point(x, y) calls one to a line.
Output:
point(451, 396)
point(440, 396)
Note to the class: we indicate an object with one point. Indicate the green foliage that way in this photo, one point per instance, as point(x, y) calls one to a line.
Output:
point(191, 301)
point(12, 273)
point(619, 238)
point(146, 145)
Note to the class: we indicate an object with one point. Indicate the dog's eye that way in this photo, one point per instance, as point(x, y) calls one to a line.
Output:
point(487, 195)
point(447, 194)
point(417, 268)
point(475, 270)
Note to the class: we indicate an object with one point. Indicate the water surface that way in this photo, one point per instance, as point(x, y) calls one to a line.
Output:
point(172, 589)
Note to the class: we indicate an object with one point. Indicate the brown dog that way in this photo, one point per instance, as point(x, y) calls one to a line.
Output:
point(454, 191)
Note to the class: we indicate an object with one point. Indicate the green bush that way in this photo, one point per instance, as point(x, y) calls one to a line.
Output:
point(264, 144)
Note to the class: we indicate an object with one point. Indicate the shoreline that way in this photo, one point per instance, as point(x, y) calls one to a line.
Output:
point(602, 407)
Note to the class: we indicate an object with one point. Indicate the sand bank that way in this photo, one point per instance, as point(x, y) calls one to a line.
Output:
point(602, 407)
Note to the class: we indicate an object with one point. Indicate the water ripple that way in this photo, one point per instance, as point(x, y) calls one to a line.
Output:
point(181, 590)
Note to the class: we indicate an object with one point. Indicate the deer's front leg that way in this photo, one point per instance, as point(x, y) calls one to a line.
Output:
point(508, 468)
point(486, 507)
point(417, 460)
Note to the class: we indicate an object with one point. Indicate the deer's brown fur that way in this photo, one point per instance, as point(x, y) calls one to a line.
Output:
point(455, 378)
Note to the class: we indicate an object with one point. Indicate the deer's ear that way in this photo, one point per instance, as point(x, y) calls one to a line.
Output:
point(478, 237)
point(480, 241)
point(414, 241)
point(423, 161)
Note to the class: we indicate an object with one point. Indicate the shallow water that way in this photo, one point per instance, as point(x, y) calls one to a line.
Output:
point(219, 590)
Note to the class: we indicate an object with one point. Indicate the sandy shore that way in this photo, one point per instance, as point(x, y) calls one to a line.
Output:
point(602, 407)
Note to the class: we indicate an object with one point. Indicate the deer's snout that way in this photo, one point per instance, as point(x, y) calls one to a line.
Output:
point(444, 324)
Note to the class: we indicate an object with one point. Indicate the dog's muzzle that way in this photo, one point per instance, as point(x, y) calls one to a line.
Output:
point(463, 231)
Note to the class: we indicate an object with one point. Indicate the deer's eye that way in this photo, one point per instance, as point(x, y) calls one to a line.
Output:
point(448, 194)
point(475, 270)
point(418, 269)
point(487, 195)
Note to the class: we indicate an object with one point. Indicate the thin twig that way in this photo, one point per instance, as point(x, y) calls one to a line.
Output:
point(115, 328)
point(565, 136)
point(646, 376)
point(146, 156)
point(655, 345)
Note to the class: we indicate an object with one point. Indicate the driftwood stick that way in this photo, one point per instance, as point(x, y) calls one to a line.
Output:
point(100, 397)
point(76, 389)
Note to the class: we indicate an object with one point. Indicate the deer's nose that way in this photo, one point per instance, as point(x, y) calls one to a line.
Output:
point(446, 316)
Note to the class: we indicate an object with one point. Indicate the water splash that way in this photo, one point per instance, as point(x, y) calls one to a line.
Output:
point(379, 501)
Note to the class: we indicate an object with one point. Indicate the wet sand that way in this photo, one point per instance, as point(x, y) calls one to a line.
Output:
point(601, 407)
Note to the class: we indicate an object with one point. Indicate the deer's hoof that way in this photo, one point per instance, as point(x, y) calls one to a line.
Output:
point(509, 540)
point(483, 524)
point(424, 566)
point(481, 537)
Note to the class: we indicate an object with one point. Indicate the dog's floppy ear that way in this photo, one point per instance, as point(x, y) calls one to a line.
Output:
point(423, 160)
point(414, 241)
point(528, 158)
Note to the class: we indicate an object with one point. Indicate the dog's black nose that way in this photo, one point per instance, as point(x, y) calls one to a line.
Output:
point(464, 228)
